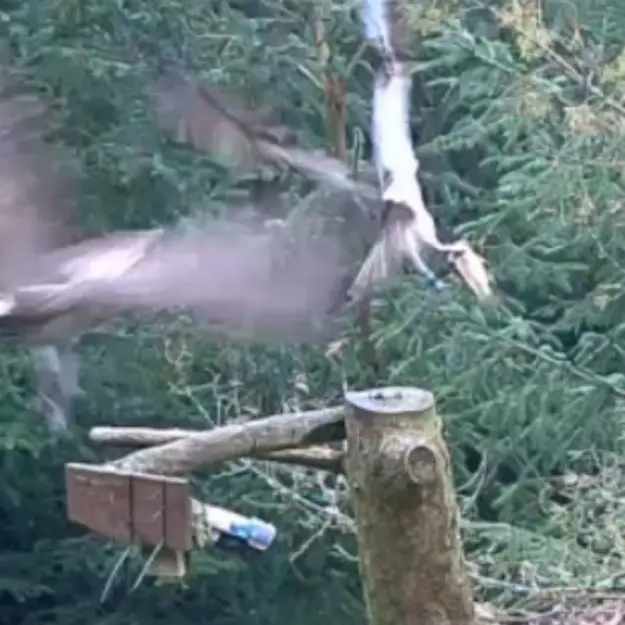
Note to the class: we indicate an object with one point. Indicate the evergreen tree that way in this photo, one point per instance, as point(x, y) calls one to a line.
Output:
point(518, 111)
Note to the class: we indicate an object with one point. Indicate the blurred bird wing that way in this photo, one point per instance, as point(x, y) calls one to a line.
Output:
point(36, 184)
point(237, 280)
point(208, 119)
point(215, 121)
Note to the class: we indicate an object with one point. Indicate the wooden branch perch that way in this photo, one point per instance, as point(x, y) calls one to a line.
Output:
point(398, 469)
point(317, 457)
point(400, 480)
point(211, 447)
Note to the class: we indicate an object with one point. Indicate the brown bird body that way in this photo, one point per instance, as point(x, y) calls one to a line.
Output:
point(252, 282)
point(49, 270)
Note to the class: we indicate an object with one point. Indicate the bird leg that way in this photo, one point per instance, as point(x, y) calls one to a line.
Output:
point(56, 370)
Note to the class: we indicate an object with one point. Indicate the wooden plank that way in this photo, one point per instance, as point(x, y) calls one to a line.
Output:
point(100, 500)
point(148, 508)
point(126, 507)
point(178, 521)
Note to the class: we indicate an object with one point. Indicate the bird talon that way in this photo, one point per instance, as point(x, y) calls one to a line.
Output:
point(435, 283)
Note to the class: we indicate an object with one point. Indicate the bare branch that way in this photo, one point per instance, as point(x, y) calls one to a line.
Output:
point(205, 449)
point(138, 436)
point(316, 457)
point(319, 457)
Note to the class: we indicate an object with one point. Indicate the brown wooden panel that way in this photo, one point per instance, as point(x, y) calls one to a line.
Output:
point(178, 523)
point(99, 499)
point(128, 507)
point(148, 507)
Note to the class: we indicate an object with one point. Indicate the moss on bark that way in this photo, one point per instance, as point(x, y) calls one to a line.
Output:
point(398, 466)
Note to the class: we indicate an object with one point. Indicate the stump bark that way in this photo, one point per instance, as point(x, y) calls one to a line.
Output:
point(398, 466)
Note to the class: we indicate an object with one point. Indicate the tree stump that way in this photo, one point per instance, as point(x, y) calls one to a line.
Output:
point(398, 466)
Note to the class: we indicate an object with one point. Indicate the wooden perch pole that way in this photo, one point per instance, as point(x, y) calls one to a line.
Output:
point(398, 468)
point(314, 457)
point(229, 442)
point(335, 95)
point(99, 493)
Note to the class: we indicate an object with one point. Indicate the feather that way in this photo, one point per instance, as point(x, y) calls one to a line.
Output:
point(36, 184)
point(215, 121)
point(211, 120)
point(255, 283)
point(37, 194)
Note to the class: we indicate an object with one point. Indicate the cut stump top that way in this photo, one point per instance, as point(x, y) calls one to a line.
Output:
point(391, 400)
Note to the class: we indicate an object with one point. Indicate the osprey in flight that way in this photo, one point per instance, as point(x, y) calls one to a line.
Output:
point(255, 281)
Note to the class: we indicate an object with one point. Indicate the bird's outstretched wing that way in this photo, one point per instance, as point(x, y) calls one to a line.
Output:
point(216, 121)
point(255, 283)
point(251, 284)
point(36, 183)
point(249, 281)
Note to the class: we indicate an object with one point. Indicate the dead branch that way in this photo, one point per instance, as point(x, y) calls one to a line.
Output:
point(315, 457)
point(205, 449)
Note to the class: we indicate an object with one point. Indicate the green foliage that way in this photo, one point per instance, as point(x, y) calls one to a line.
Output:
point(520, 132)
